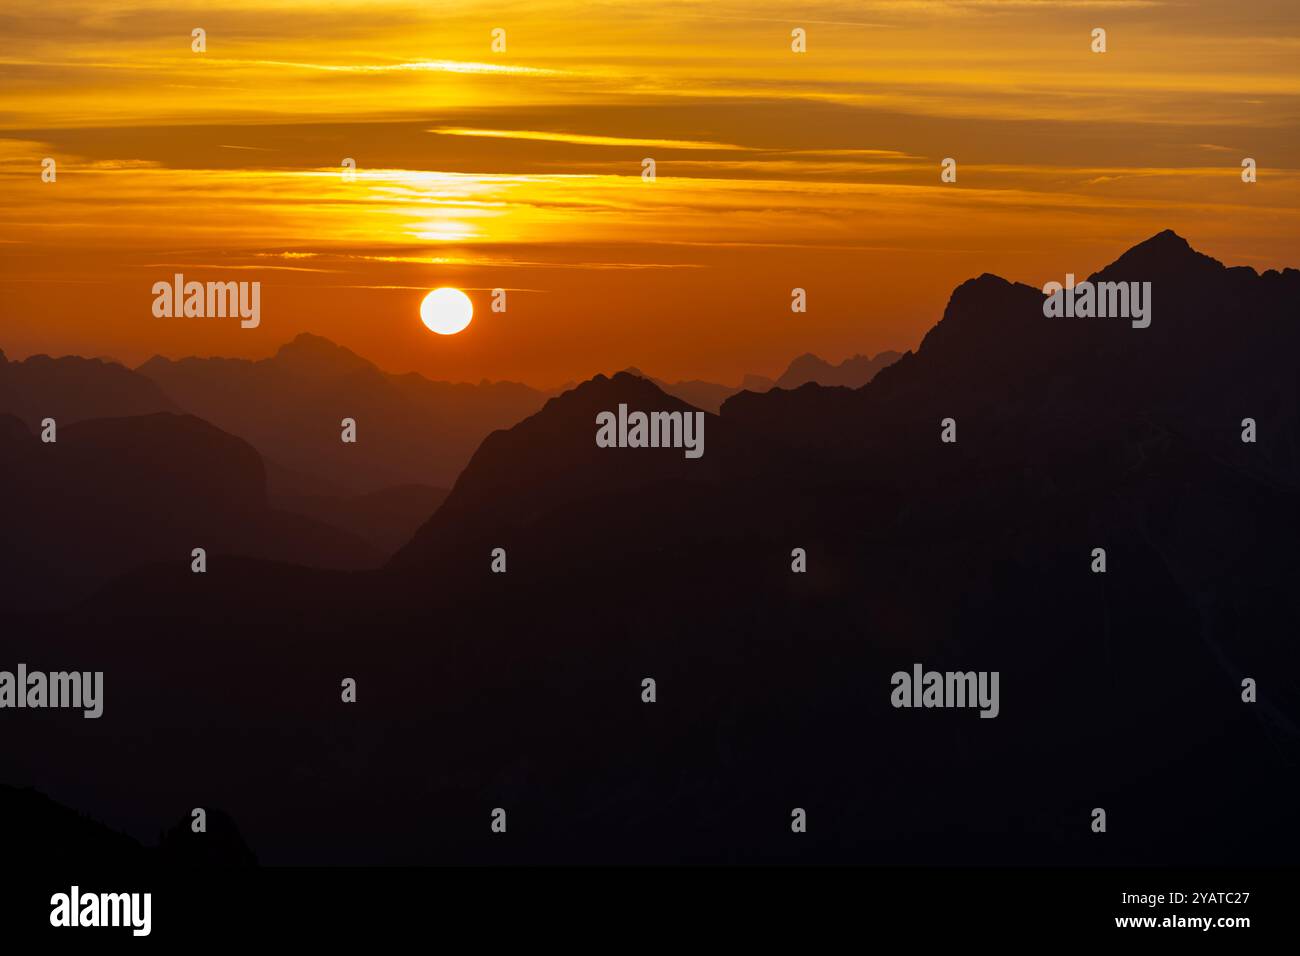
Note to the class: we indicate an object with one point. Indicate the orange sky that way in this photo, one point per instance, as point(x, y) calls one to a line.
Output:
point(522, 169)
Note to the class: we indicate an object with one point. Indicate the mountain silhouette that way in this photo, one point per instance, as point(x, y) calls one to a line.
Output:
point(1213, 354)
point(112, 494)
point(709, 396)
point(410, 430)
point(37, 829)
point(45, 834)
point(220, 844)
point(523, 688)
point(851, 373)
point(71, 389)
point(493, 497)
point(1073, 434)
point(1166, 256)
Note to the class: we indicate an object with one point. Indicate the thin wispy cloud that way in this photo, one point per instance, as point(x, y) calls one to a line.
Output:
point(584, 139)
point(418, 66)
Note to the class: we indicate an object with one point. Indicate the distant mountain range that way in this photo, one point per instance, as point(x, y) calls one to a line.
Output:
point(851, 373)
point(410, 430)
point(70, 389)
point(1121, 689)
point(353, 504)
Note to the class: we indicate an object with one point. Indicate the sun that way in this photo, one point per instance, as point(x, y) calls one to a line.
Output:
point(446, 311)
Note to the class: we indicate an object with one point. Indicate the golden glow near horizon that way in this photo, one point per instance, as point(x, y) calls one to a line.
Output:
point(521, 168)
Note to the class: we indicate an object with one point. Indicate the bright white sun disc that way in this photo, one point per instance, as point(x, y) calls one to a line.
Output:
point(446, 311)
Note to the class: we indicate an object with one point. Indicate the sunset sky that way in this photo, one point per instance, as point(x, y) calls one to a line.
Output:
point(522, 169)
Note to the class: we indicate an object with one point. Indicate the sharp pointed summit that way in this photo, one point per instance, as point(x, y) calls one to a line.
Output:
point(1164, 256)
point(319, 356)
point(550, 461)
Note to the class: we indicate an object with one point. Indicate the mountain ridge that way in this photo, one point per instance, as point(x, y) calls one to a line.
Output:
point(1097, 533)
